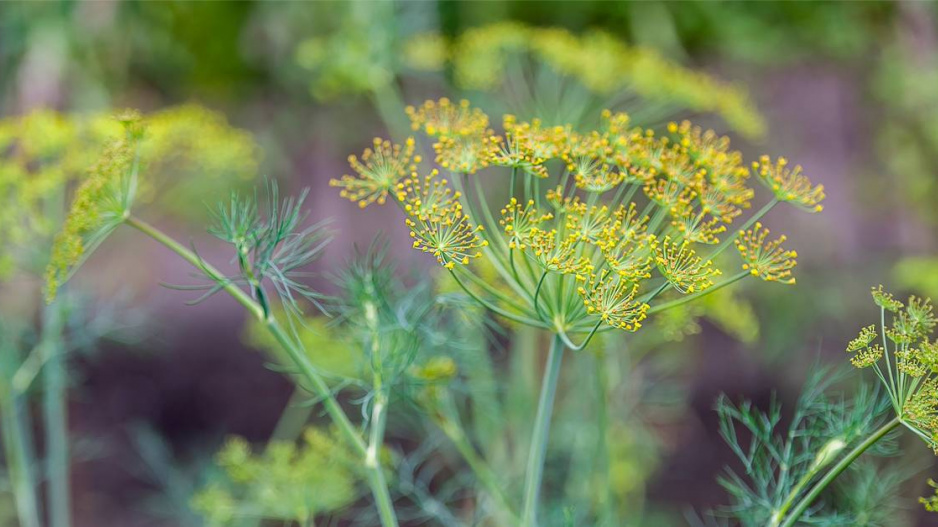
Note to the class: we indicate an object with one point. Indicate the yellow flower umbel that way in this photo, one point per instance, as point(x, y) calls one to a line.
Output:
point(379, 170)
point(101, 203)
point(680, 265)
point(480, 57)
point(789, 184)
point(630, 218)
point(584, 256)
point(445, 118)
point(447, 234)
point(519, 222)
point(767, 260)
point(905, 360)
point(612, 298)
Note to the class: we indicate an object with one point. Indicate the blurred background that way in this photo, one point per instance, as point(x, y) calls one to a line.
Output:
point(849, 90)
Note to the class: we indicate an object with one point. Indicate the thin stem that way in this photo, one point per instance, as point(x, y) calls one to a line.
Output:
point(755, 217)
point(538, 446)
point(390, 106)
point(537, 297)
point(379, 413)
point(232, 289)
point(19, 458)
point(567, 342)
point(695, 296)
point(293, 418)
point(483, 472)
point(836, 470)
point(55, 418)
point(319, 386)
point(492, 307)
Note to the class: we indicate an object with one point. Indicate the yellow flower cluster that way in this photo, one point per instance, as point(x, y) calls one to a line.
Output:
point(906, 361)
point(789, 184)
point(100, 204)
point(612, 298)
point(184, 151)
point(681, 266)
point(43, 154)
point(767, 260)
point(378, 172)
point(623, 205)
point(600, 62)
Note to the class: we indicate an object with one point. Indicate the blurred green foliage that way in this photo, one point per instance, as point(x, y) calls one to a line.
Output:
point(285, 482)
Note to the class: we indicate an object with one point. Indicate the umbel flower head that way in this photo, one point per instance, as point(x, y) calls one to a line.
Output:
point(101, 203)
point(789, 184)
point(628, 215)
point(766, 259)
point(905, 359)
point(480, 56)
point(45, 155)
point(378, 172)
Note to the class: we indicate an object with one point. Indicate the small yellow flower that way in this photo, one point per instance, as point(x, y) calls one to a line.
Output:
point(526, 146)
point(466, 153)
point(766, 259)
point(630, 257)
point(588, 223)
point(789, 184)
point(863, 340)
point(697, 227)
point(680, 265)
point(867, 357)
point(378, 171)
point(443, 118)
point(518, 222)
point(885, 300)
point(426, 197)
point(554, 253)
point(449, 236)
point(612, 299)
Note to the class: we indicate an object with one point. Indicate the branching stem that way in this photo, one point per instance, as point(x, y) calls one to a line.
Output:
point(835, 471)
point(319, 386)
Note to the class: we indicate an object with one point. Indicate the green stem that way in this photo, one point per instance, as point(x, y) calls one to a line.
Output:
point(318, 385)
point(538, 446)
point(390, 106)
point(695, 296)
point(483, 472)
point(835, 471)
point(55, 417)
point(232, 289)
point(293, 418)
point(755, 217)
point(379, 486)
point(19, 460)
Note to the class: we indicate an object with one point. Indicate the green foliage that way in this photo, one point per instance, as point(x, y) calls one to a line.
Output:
point(272, 245)
point(779, 461)
point(329, 348)
point(286, 482)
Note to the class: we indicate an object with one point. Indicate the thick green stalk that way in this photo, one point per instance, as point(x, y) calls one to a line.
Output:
point(835, 471)
point(538, 446)
point(55, 417)
point(19, 458)
point(293, 418)
point(316, 382)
